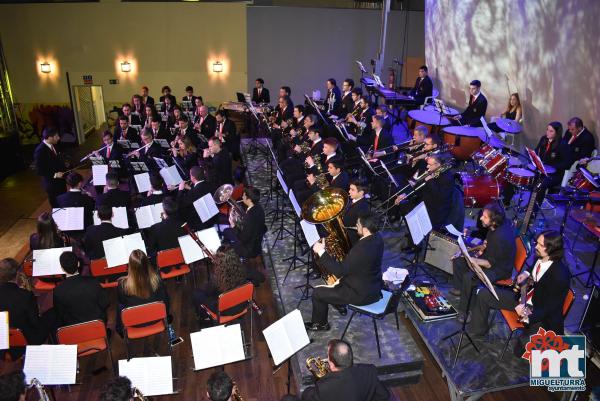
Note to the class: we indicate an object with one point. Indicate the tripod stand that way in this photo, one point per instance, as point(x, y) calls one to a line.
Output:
point(463, 331)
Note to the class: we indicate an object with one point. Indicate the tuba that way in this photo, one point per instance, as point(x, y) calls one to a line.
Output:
point(326, 207)
point(222, 195)
point(317, 366)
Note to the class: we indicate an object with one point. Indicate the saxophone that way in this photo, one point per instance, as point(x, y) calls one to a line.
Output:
point(317, 366)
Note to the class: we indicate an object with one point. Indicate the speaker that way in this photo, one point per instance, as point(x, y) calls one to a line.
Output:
point(440, 251)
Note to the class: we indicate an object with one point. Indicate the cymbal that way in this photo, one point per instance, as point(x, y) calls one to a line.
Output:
point(496, 142)
point(549, 169)
point(461, 130)
point(509, 126)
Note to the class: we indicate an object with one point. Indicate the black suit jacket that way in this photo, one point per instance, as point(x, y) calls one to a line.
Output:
point(229, 132)
point(263, 98)
point(163, 235)
point(173, 100)
point(94, 235)
point(186, 199)
point(333, 101)
point(221, 164)
point(351, 216)
point(356, 383)
point(474, 111)
point(79, 299)
point(341, 181)
point(152, 199)
point(47, 164)
point(116, 152)
point(132, 134)
point(149, 100)
point(582, 146)
point(208, 126)
point(78, 199)
point(359, 272)
point(423, 88)
point(557, 155)
point(347, 104)
point(147, 155)
point(22, 312)
point(114, 198)
point(251, 234)
point(437, 195)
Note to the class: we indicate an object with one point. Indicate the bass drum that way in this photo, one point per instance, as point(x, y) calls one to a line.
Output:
point(479, 190)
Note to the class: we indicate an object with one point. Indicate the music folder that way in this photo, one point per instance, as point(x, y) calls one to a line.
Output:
point(310, 232)
point(295, 203)
point(46, 262)
point(418, 223)
point(161, 163)
point(170, 175)
point(117, 250)
point(119, 218)
point(206, 207)
point(51, 364)
point(286, 336)
point(216, 346)
point(149, 215)
point(4, 344)
point(142, 181)
point(68, 218)
point(152, 376)
point(191, 250)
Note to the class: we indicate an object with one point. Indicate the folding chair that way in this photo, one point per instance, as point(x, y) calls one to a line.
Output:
point(16, 339)
point(171, 264)
point(90, 338)
point(42, 283)
point(144, 321)
point(108, 276)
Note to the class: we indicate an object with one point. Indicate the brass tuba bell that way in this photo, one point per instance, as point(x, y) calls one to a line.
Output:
point(223, 195)
point(317, 366)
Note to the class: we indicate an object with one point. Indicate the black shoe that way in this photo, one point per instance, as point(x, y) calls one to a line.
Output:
point(310, 326)
point(341, 309)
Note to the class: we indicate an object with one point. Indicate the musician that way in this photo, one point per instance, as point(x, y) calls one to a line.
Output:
point(187, 195)
point(550, 279)
point(132, 119)
point(198, 102)
point(382, 138)
point(284, 111)
point(150, 115)
point(112, 195)
point(358, 205)
point(345, 380)
point(187, 132)
point(160, 132)
point(219, 160)
point(330, 147)
point(49, 165)
point(112, 150)
point(189, 97)
point(496, 257)
point(286, 91)
point(423, 86)
point(205, 123)
point(362, 121)
point(220, 387)
point(579, 140)
point(137, 106)
point(359, 274)
point(118, 388)
point(185, 153)
point(149, 150)
point(164, 234)
point(166, 94)
point(156, 193)
point(47, 234)
point(226, 132)
point(513, 111)
point(260, 94)
point(348, 102)
point(124, 132)
point(383, 111)
point(420, 146)
point(336, 177)
point(78, 299)
point(476, 108)
point(75, 197)
point(173, 118)
point(146, 99)
point(94, 235)
point(333, 100)
point(168, 109)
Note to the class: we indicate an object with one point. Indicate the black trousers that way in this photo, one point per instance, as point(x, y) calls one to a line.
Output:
point(323, 296)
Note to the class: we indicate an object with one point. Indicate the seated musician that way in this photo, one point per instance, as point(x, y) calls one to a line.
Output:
point(548, 279)
point(47, 234)
point(423, 86)
point(220, 387)
point(118, 388)
point(158, 131)
point(149, 150)
point(333, 99)
point(283, 112)
point(187, 195)
point(358, 205)
point(146, 98)
point(166, 94)
point(94, 235)
point(205, 123)
point(316, 164)
point(219, 160)
point(362, 119)
point(382, 138)
point(293, 168)
point(260, 94)
point(164, 234)
point(111, 150)
point(185, 153)
point(227, 134)
point(77, 197)
point(112, 196)
point(335, 177)
point(496, 256)
point(476, 108)
point(513, 111)
point(292, 134)
point(286, 91)
point(580, 141)
point(185, 130)
point(13, 386)
point(383, 111)
point(173, 119)
point(189, 96)
point(137, 108)
point(198, 102)
point(359, 274)
point(124, 132)
point(156, 194)
point(150, 114)
point(348, 101)
point(246, 235)
point(132, 119)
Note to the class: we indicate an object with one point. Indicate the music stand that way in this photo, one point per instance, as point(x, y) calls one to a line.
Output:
point(392, 180)
point(294, 258)
point(316, 107)
point(255, 145)
point(419, 227)
point(311, 235)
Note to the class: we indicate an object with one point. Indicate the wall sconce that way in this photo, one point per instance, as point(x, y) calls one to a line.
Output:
point(217, 66)
point(125, 66)
point(45, 68)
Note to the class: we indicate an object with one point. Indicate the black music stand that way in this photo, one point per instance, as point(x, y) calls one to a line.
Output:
point(294, 258)
point(419, 227)
point(311, 235)
point(255, 146)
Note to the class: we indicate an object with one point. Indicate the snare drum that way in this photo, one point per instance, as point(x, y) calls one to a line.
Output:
point(492, 160)
point(479, 190)
point(519, 177)
point(583, 180)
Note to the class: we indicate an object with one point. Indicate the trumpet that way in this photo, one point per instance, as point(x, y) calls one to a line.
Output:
point(317, 366)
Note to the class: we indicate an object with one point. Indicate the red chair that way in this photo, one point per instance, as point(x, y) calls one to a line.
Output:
point(520, 258)
point(241, 295)
point(107, 276)
point(16, 339)
point(90, 338)
point(171, 264)
point(512, 319)
point(41, 283)
point(144, 321)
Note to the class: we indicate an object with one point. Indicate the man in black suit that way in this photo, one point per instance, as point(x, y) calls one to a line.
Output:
point(187, 195)
point(149, 150)
point(345, 381)
point(219, 160)
point(382, 139)
point(335, 177)
point(156, 194)
point(358, 205)
point(206, 123)
point(359, 274)
point(333, 99)
point(113, 196)
point(164, 235)
point(347, 101)
point(75, 197)
point(78, 298)
point(133, 119)
point(550, 284)
point(383, 111)
point(111, 150)
point(147, 99)
point(580, 142)
point(160, 132)
point(476, 108)
point(226, 132)
point(20, 304)
point(286, 92)
point(260, 94)
point(94, 235)
point(189, 97)
point(49, 165)
point(423, 86)
point(124, 132)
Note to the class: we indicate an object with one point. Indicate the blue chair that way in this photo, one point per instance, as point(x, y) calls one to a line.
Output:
point(376, 311)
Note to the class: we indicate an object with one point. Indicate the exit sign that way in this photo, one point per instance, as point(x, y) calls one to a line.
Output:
point(87, 80)
point(113, 81)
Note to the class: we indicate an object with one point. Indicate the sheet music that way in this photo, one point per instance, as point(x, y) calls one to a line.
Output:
point(4, 344)
point(162, 142)
point(191, 250)
point(68, 218)
point(295, 203)
point(418, 223)
point(206, 207)
point(487, 129)
point(171, 175)
point(114, 164)
point(216, 346)
point(46, 261)
point(117, 250)
point(119, 218)
point(97, 160)
point(142, 181)
point(152, 376)
point(161, 163)
point(139, 166)
point(286, 336)
point(125, 144)
point(452, 230)
point(51, 364)
point(147, 216)
point(310, 232)
point(282, 182)
point(476, 268)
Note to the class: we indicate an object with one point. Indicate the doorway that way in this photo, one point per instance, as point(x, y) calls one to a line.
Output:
point(89, 110)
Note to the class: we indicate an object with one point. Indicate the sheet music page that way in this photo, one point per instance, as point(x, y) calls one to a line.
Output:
point(152, 376)
point(119, 218)
point(476, 268)
point(452, 230)
point(414, 226)
point(310, 232)
point(282, 182)
point(69, 218)
point(99, 174)
point(124, 143)
point(217, 346)
point(171, 175)
point(286, 336)
point(190, 249)
point(134, 241)
point(142, 181)
point(162, 142)
point(46, 262)
point(51, 364)
point(4, 344)
point(156, 210)
point(144, 217)
point(117, 250)
point(206, 207)
point(114, 164)
point(210, 238)
point(295, 203)
point(424, 220)
point(161, 163)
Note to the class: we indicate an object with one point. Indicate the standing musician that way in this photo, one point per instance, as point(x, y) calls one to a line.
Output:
point(260, 94)
point(205, 123)
point(476, 108)
point(359, 274)
point(187, 195)
point(423, 86)
point(358, 205)
point(348, 101)
point(49, 165)
point(548, 280)
point(146, 99)
point(226, 132)
point(219, 160)
point(496, 256)
point(580, 141)
point(124, 132)
point(333, 100)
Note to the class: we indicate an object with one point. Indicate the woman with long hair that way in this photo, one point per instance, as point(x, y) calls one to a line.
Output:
point(513, 111)
point(48, 235)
